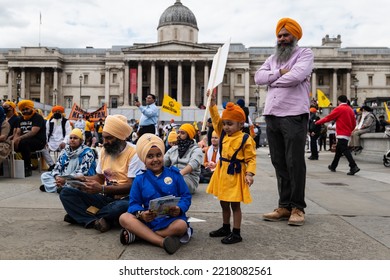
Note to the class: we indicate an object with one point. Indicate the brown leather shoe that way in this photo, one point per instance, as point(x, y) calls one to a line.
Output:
point(102, 225)
point(297, 217)
point(279, 214)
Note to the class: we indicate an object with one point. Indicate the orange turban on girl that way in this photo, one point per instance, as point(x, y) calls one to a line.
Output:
point(233, 113)
point(291, 25)
point(146, 142)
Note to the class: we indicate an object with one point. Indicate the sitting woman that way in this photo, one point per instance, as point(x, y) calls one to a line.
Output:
point(167, 231)
point(5, 145)
point(75, 159)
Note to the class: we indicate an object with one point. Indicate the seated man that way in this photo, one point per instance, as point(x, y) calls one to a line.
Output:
point(5, 144)
point(186, 156)
point(76, 159)
point(105, 196)
point(30, 134)
point(210, 159)
point(57, 132)
point(366, 123)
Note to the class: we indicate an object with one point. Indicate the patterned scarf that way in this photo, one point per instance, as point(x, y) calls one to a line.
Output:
point(183, 145)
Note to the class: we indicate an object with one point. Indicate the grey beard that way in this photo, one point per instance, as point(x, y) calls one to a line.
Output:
point(283, 53)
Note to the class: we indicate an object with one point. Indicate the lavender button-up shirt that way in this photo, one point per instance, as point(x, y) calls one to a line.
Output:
point(288, 94)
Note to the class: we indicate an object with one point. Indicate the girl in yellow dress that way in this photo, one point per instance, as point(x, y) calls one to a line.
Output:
point(235, 170)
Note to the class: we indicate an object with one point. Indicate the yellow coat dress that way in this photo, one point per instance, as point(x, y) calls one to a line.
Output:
point(226, 187)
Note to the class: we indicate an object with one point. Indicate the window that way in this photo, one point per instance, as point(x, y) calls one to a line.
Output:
point(102, 79)
point(68, 100)
point(387, 80)
point(114, 102)
point(68, 79)
point(370, 78)
point(85, 79)
point(239, 78)
point(6, 78)
point(320, 80)
point(114, 78)
point(225, 78)
point(38, 79)
point(85, 102)
point(101, 101)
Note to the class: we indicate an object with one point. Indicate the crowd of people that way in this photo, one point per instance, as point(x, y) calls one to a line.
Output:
point(109, 173)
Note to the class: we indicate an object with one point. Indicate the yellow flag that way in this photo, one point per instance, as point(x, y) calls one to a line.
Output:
point(387, 111)
point(323, 101)
point(171, 106)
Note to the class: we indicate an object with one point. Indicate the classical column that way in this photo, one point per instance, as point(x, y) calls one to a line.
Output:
point(348, 89)
point(153, 77)
point(23, 84)
point(180, 82)
point(314, 84)
point(231, 91)
point(246, 94)
point(55, 86)
point(206, 81)
point(193, 85)
point(126, 85)
point(334, 88)
point(139, 81)
point(42, 90)
point(166, 78)
point(10, 83)
point(107, 87)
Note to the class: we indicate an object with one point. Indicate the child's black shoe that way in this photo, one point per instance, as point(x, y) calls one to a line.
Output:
point(220, 232)
point(232, 238)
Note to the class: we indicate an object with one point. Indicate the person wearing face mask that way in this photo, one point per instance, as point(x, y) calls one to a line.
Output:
point(30, 134)
point(11, 116)
point(58, 129)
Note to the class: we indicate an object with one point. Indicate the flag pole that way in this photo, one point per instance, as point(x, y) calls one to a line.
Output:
point(40, 23)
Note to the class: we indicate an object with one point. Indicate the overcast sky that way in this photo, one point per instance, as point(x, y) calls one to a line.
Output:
point(107, 23)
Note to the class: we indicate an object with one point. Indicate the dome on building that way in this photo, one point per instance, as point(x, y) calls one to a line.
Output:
point(178, 14)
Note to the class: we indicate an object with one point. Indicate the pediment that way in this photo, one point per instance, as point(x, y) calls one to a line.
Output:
point(171, 46)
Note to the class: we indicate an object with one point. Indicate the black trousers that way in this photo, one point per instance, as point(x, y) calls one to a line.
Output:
point(342, 148)
point(146, 129)
point(287, 140)
point(28, 145)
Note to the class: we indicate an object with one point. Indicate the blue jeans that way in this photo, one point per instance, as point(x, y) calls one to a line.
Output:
point(76, 202)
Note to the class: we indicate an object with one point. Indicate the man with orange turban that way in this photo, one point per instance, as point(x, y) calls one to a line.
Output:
point(108, 190)
point(287, 77)
point(186, 156)
point(58, 129)
point(30, 135)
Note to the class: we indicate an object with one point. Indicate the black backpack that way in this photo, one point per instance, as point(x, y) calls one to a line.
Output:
point(377, 125)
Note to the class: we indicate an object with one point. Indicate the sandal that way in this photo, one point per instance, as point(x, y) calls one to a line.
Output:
point(126, 237)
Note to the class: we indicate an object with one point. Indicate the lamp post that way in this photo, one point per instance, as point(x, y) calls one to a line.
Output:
point(81, 79)
point(257, 100)
point(18, 83)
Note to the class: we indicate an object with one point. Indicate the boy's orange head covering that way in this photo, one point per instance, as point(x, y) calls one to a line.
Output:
point(313, 110)
point(190, 129)
point(233, 112)
point(291, 25)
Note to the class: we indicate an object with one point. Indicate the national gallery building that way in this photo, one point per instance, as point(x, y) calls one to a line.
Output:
point(179, 66)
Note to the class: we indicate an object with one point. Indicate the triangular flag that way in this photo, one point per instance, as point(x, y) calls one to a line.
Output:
point(171, 106)
point(387, 111)
point(323, 101)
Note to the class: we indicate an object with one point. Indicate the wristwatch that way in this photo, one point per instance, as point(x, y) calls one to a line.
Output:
point(138, 215)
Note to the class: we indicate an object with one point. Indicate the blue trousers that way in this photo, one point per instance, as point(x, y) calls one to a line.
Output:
point(76, 202)
point(287, 139)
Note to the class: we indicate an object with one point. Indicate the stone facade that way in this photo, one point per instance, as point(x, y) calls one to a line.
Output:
point(180, 66)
